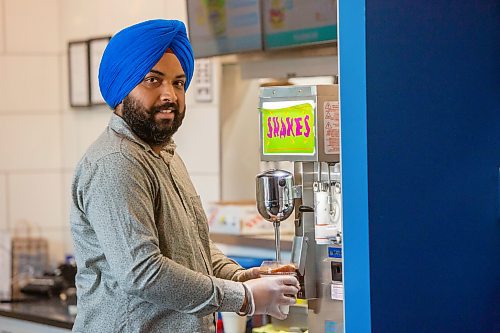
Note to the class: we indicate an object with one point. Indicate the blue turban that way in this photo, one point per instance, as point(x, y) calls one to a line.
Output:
point(133, 51)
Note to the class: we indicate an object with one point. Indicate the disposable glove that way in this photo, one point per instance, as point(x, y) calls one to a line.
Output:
point(248, 274)
point(271, 292)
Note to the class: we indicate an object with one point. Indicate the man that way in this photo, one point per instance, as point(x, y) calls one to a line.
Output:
point(145, 260)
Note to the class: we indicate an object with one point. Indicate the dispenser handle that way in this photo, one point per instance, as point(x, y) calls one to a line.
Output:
point(299, 253)
point(306, 209)
point(302, 209)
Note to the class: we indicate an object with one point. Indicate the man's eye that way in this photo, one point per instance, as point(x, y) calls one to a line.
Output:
point(180, 84)
point(152, 81)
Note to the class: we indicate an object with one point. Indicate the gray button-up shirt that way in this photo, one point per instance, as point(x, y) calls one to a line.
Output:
point(145, 260)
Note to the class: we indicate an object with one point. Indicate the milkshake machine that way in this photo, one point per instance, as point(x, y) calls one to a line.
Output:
point(301, 124)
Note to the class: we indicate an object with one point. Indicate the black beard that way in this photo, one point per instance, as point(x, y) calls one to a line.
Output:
point(142, 122)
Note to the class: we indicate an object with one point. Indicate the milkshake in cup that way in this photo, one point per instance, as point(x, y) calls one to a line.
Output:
point(272, 268)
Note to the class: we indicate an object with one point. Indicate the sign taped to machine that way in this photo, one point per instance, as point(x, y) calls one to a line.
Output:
point(332, 127)
point(335, 252)
point(337, 289)
point(289, 130)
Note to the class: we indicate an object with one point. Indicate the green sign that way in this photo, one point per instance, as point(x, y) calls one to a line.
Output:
point(301, 37)
point(288, 131)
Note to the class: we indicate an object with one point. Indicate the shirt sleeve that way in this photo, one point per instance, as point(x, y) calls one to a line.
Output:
point(117, 199)
point(224, 267)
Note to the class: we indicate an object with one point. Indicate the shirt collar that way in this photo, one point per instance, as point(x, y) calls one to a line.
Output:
point(117, 124)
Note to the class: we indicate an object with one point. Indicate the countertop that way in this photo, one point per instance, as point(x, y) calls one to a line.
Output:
point(51, 312)
point(262, 241)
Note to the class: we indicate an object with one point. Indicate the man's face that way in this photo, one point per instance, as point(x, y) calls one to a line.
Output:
point(156, 107)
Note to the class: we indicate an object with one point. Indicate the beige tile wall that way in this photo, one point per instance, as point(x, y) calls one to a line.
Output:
point(32, 27)
point(90, 18)
point(3, 204)
point(199, 132)
point(36, 196)
point(67, 178)
point(30, 142)
point(42, 137)
point(2, 28)
point(80, 128)
point(30, 83)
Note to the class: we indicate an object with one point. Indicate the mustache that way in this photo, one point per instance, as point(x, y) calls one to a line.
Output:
point(174, 106)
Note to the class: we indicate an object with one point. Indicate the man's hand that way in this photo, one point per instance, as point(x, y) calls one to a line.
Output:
point(269, 293)
point(248, 274)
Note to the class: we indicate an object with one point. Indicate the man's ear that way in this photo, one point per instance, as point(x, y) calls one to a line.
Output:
point(119, 109)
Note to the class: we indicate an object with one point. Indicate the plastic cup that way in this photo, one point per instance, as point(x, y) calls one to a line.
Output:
point(233, 323)
point(272, 268)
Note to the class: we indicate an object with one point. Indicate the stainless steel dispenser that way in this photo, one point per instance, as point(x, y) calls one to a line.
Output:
point(301, 124)
point(275, 200)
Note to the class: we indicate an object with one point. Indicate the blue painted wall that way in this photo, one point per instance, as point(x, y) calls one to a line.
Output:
point(352, 61)
point(433, 147)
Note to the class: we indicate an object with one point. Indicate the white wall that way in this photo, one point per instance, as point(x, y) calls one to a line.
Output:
point(240, 154)
point(42, 137)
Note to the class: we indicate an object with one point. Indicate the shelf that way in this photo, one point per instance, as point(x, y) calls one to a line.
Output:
point(260, 241)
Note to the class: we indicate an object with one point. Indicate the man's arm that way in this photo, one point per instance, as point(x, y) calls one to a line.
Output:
point(224, 267)
point(118, 201)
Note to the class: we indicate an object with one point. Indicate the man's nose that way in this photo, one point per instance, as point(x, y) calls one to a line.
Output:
point(168, 93)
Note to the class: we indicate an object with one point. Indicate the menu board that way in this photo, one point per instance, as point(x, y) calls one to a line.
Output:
point(224, 26)
point(289, 23)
